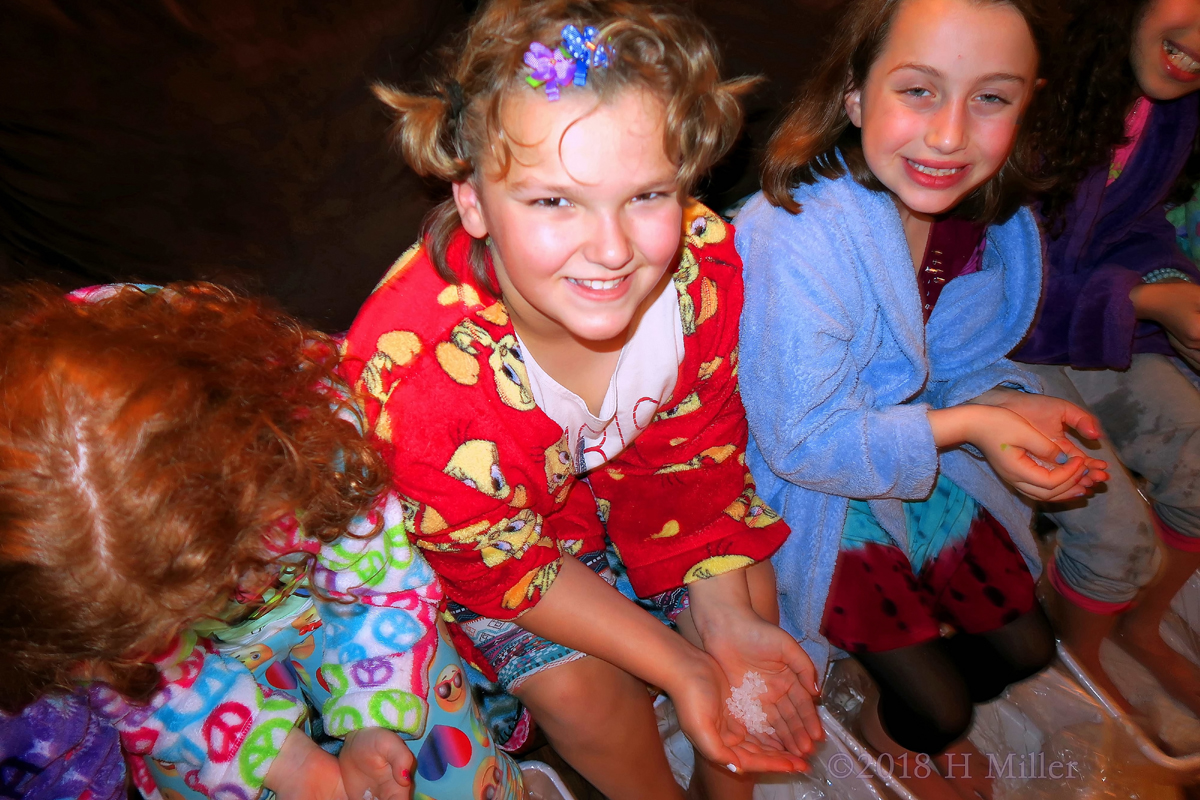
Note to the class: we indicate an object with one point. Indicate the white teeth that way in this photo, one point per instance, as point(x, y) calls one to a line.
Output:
point(937, 173)
point(1181, 59)
point(597, 284)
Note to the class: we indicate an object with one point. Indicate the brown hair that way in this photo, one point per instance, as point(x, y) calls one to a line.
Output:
point(150, 443)
point(817, 130)
point(449, 133)
point(1082, 111)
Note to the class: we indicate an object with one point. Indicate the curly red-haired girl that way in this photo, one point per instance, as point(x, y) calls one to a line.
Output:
point(191, 520)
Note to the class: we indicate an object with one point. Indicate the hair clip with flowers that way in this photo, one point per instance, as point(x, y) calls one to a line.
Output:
point(566, 64)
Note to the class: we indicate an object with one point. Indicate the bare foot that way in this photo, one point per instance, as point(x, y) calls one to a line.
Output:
point(1095, 670)
point(1082, 632)
point(1180, 677)
point(966, 769)
point(931, 787)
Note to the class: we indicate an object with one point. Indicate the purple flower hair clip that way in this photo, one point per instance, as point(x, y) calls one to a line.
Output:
point(566, 64)
point(551, 68)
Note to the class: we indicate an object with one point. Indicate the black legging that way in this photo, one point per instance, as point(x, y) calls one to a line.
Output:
point(928, 691)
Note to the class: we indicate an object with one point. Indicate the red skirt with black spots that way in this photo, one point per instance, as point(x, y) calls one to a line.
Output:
point(977, 584)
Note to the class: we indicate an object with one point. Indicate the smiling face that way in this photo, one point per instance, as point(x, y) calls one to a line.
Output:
point(1165, 53)
point(940, 107)
point(588, 218)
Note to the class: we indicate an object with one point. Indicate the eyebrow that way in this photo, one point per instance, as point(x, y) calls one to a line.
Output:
point(935, 73)
point(555, 190)
point(531, 185)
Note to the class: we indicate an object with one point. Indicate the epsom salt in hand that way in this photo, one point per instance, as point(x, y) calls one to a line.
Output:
point(744, 706)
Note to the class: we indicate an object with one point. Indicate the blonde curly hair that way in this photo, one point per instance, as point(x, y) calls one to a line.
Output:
point(454, 128)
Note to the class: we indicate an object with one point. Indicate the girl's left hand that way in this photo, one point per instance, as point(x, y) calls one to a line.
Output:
point(376, 760)
point(744, 642)
point(1051, 417)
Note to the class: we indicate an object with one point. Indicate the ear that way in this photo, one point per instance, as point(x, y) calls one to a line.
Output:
point(854, 107)
point(466, 200)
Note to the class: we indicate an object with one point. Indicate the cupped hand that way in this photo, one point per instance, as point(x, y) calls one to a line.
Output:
point(303, 771)
point(699, 690)
point(377, 760)
point(1053, 417)
point(744, 643)
point(1011, 445)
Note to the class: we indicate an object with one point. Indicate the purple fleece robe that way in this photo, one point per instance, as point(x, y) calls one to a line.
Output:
point(62, 746)
point(1113, 236)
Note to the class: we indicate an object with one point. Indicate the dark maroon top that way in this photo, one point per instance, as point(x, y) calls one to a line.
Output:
point(955, 248)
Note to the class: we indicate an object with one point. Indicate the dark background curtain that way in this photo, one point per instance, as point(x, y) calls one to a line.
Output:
point(237, 141)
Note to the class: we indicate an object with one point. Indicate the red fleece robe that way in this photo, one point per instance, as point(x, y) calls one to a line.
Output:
point(485, 474)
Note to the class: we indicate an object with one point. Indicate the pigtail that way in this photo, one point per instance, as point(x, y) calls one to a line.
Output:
point(424, 131)
point(711, 125)
point(429, 133)
point(449, 133)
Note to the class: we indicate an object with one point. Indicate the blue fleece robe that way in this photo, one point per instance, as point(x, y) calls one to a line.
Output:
point(838, 370)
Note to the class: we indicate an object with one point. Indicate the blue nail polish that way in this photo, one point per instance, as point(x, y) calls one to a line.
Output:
point(1061, 458)
point(1086, 470)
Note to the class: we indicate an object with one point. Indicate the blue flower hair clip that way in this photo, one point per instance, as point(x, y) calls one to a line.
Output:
point(566, 64)
point(585, 51)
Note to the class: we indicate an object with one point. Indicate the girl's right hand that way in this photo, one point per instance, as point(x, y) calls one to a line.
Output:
point(698, 690)
point(1007, 441)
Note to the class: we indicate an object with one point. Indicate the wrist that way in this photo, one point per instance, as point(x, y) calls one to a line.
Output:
point(956, 425)
point(1150, 299)
point(995, 397)
point(290, 760)
point(719, 602)
point(691, 667)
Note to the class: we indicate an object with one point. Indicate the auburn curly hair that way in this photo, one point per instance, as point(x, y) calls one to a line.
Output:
point(150, 443)
point(1080, 118)
point(452, 129)
point(816, 136)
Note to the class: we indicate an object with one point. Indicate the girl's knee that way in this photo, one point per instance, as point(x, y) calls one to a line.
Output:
point(931, 728)
point(580, 694)
point(1036, 648)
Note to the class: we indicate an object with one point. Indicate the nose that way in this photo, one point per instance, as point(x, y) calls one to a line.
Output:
point(608, 245)
point(947, 131)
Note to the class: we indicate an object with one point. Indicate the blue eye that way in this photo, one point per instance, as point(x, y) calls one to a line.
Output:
point(511, 374)
point(994, 99)
point(917, 91)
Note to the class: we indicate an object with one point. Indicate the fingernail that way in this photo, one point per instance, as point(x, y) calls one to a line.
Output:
point(1061, 458)
point(732, 768)
point(1086, 470)
point(406, 775)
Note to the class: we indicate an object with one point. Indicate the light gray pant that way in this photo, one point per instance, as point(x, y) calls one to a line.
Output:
point(1150, 414)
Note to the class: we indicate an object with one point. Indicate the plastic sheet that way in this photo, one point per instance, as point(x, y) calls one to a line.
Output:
point(542, 782)
point(1181, 627)
point(1045, 721)
point(1045, 739)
